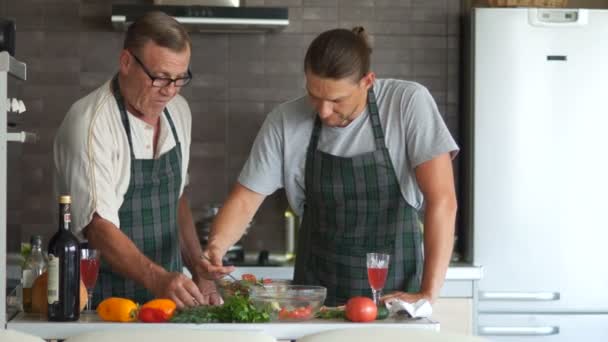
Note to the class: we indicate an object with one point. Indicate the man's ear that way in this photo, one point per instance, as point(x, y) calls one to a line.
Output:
point(124, 61)
point(368, 80)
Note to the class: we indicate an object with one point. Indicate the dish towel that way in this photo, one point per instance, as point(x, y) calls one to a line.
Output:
point(419, 309)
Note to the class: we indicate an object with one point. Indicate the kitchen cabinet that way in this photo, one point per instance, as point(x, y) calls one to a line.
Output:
point(544, 327)
point(570, 4)
point(455, 315)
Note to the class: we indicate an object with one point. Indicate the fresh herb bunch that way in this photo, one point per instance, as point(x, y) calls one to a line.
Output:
point(236, 309)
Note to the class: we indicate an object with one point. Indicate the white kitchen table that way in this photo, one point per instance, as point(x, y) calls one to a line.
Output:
point(34, 325)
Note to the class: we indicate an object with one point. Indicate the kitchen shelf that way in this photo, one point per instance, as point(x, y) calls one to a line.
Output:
point(35, 325)
point(17, 69)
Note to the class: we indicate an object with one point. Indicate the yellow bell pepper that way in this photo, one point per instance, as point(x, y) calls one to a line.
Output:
point(115, 309)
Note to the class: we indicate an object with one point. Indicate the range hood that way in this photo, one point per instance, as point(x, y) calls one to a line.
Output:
point(208, 18)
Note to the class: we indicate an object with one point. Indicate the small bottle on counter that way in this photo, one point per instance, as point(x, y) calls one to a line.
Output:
point(34, 266)
point(63, 292)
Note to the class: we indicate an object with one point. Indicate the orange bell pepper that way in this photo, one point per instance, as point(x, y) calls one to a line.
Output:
point(115, 309)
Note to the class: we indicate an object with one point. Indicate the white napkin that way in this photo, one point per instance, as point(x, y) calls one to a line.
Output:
point(422, 308)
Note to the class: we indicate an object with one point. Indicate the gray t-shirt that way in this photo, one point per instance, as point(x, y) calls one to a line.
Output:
point(413, 128)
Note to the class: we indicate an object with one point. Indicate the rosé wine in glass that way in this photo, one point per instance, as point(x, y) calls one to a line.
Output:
point(377, 270)
point(89, 269)
point(377, 277)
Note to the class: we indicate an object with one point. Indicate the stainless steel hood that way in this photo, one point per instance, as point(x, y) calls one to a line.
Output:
point(209, 18)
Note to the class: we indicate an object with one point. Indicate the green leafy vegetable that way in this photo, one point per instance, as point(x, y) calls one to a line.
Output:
point(329, 313)
point(236, 309)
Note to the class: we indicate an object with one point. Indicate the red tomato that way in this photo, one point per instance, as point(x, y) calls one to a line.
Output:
point(249, 277)
point(267, 281)
point(361, 309)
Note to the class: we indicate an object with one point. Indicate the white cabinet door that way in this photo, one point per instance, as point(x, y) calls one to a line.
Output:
point(543, 328)
point(454, 315)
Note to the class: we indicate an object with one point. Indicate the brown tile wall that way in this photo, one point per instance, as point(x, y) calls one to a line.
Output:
point(70, 48)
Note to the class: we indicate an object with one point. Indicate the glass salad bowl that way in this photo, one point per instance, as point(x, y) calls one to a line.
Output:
point(285, 302)
point(228, 287)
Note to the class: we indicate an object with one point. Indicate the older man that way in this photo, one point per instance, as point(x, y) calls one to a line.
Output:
point(122, 152)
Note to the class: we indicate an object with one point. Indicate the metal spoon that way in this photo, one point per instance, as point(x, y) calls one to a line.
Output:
point(230, 275)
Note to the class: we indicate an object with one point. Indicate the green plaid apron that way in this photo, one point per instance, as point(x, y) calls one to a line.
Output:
point(355, 206)
point(148, 215)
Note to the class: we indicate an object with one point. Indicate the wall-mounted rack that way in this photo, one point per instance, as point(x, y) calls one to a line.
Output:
point(8, 66)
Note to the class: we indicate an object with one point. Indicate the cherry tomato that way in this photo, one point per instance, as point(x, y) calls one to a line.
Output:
point(249, 277)
point(361, 309)
point(301, 313)
point(284, 314)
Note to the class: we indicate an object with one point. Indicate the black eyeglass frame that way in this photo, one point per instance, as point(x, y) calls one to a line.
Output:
point(164, 81)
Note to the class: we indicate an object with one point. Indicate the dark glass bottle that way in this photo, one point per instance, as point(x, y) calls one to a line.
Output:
point(64, 269)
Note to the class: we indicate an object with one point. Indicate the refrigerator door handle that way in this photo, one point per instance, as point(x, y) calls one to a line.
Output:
point(518, 331)
point(519, 296)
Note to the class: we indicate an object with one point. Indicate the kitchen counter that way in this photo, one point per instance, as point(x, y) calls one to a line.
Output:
point(455, 272)
point(458, 283)
point(33, 324)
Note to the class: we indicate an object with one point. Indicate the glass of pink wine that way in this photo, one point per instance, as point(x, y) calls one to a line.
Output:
point(89, 269)
point(377, 270)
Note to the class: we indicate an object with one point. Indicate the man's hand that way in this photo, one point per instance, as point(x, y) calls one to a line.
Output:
point(209, 291)
point(211, 264)
point(180, 289)
point(408, 297)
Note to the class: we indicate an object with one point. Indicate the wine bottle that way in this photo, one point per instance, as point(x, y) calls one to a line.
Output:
point(63, 290)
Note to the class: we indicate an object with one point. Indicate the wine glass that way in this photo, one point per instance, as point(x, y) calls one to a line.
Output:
point(377, 270)
point(89, 269)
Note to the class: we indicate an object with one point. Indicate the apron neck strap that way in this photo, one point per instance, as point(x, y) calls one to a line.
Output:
point(120, 101)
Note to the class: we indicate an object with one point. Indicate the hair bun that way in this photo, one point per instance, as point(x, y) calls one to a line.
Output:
point(359, 30)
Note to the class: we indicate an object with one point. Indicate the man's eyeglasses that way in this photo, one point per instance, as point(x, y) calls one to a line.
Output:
point(162, 82)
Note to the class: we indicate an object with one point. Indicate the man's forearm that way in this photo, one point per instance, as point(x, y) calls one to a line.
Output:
point(438, 243)
point(233, 218)
point(189, 242)
point(121, 253)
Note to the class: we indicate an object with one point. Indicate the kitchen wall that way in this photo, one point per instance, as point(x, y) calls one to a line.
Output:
point(70, 49)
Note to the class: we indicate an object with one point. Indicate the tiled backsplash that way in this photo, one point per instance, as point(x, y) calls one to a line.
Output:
point(70, 48)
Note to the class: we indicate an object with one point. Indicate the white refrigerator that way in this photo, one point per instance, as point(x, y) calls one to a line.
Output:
point(540, 173)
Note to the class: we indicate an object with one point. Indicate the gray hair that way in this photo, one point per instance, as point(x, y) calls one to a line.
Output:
point(159, 28)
